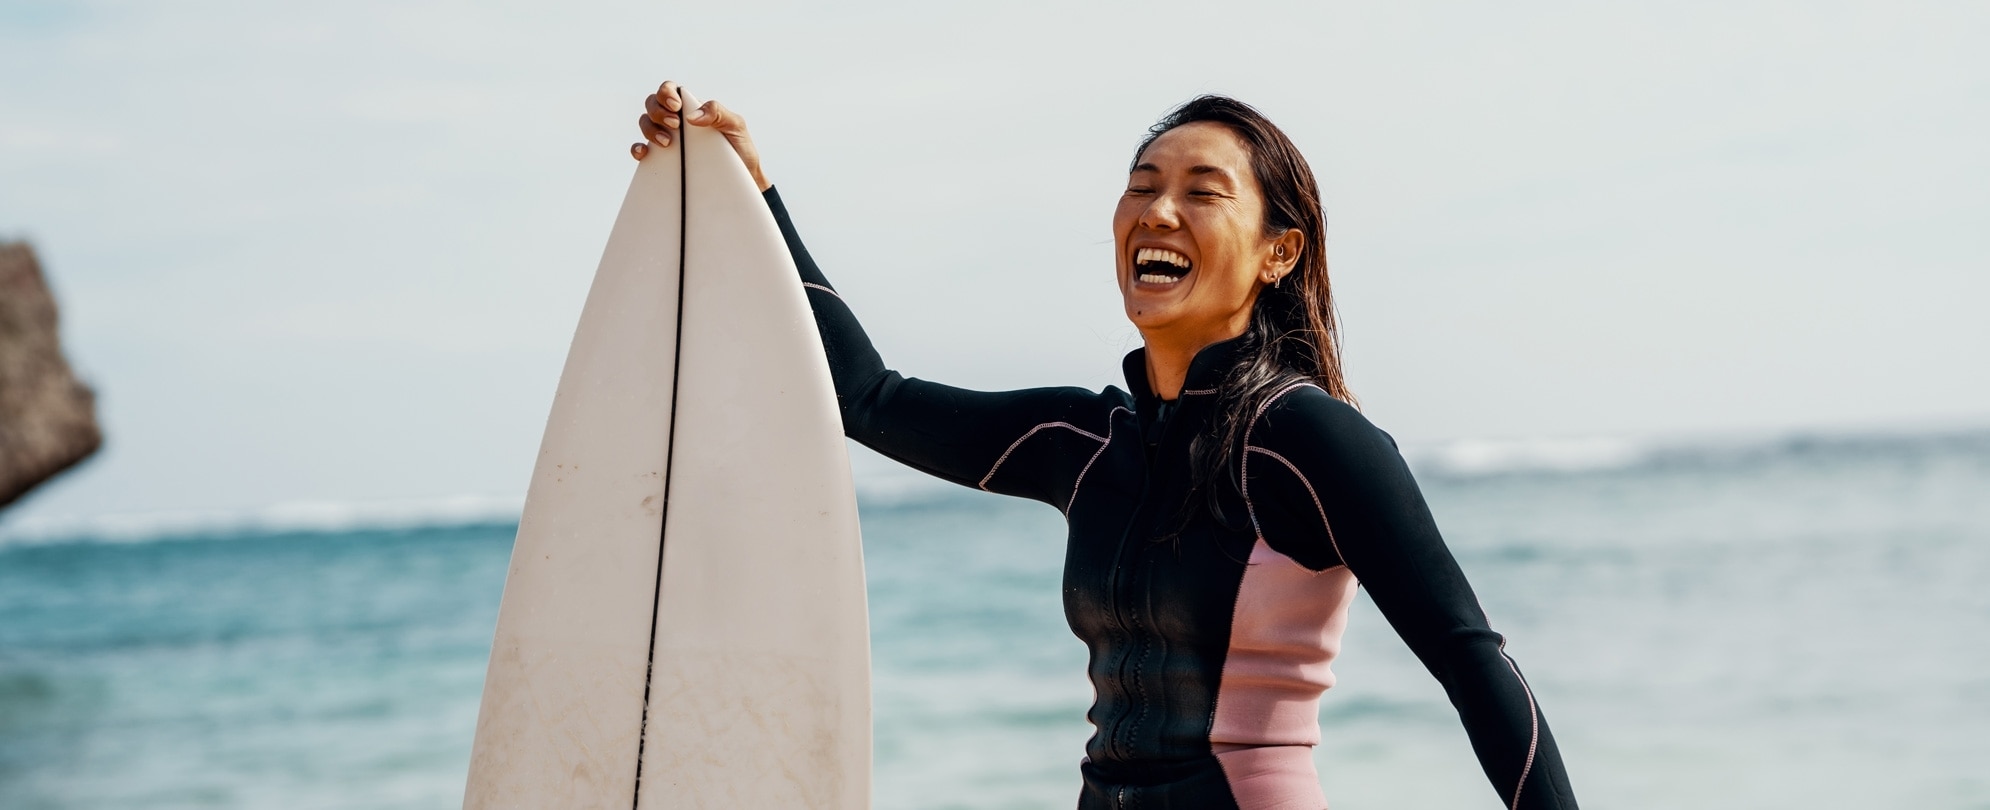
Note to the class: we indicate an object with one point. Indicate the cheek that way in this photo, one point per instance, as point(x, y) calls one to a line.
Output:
point(1228, 262)
point(1123, 218)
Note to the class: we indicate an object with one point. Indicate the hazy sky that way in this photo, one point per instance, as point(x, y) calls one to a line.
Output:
point(335, 250)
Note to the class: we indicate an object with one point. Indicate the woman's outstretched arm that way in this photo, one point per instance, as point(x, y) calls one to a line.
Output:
point(1332, 488)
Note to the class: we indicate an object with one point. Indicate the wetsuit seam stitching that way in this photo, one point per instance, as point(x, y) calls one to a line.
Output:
point(1534, 719)
point(1025, 437)
point(1244, 469)
point(1103, 444)
point(1310, 492)
point(815, 286)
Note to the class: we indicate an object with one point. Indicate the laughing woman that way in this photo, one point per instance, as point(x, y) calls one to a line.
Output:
point(1222, 509)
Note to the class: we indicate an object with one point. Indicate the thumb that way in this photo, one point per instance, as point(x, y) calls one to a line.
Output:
point(694, 109)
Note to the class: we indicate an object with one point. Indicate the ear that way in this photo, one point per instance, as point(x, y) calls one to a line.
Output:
point(1282, 255)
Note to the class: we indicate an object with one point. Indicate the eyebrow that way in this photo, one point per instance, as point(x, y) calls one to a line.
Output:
point(1198, 169)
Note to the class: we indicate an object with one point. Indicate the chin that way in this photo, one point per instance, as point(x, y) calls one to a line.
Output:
point(1152, 314)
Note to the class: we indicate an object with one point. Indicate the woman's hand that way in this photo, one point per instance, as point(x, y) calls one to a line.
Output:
point(660, 122)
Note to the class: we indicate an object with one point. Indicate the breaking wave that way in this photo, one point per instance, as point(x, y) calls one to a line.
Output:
point(881, 483)
point(1475, 458)
point(283, 518)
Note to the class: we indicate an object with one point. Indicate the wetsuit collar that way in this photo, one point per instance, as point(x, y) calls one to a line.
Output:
point(1205, 372)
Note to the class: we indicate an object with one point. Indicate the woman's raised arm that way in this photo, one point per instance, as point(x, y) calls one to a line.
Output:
point(973, 438)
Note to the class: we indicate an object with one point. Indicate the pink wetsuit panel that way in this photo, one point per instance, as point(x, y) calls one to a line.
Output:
point(1283, 638)
point(1272, 777)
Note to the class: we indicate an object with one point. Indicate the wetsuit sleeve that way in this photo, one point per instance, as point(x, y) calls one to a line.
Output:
point(1326, 486)
point(1031, 443)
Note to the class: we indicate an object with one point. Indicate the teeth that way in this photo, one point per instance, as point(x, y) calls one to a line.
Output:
point(1156, 278)
point(1161, 255)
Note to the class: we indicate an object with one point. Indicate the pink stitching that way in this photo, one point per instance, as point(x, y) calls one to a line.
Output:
point(1107, 442)
point(1534, 715)
point(839, 297)
point(1032, 432)
point(1244, 469)
point(1309, 491)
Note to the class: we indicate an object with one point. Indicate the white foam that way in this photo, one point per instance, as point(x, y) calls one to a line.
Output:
point(879, 481)
point(1473, 457)
point(294, 516)
point(883, 482)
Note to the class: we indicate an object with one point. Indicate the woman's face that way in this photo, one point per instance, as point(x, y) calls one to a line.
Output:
point(1190, 234)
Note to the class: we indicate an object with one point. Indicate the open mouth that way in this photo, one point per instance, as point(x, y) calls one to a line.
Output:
point(1160, 266)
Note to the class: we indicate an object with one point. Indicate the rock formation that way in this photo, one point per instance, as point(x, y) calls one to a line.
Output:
point(48, 419)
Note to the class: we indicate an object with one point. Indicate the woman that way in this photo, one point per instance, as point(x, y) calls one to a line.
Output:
point(1224, 508)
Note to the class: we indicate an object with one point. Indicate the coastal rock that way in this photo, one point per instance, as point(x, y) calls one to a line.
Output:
point(48, 419)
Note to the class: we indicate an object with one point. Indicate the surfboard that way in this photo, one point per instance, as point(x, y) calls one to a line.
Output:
point(683, 623)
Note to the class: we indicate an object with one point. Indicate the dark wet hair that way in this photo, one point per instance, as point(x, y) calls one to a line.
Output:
point(1293, 335)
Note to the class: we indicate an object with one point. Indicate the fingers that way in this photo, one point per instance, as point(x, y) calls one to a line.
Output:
point(653, 107)
point(654, 132)
point(660, 119)
point(670, 107)
point(717, 116)
point(659, 124)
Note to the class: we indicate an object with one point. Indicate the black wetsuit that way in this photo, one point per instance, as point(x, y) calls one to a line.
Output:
point(1209, 642)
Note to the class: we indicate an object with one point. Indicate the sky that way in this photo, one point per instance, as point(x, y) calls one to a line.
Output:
point(334, 251)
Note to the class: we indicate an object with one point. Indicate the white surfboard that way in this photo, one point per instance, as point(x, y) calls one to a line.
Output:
point(683, 624)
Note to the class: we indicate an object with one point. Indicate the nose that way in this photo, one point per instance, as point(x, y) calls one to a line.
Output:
point(1160, 214)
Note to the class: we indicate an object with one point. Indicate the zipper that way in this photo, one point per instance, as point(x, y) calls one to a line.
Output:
point(1148, 472)
point(1113, 576)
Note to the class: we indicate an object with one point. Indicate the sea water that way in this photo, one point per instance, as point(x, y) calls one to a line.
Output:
point(1801, 623)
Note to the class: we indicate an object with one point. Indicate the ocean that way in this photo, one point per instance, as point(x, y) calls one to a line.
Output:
point(1797, 622)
